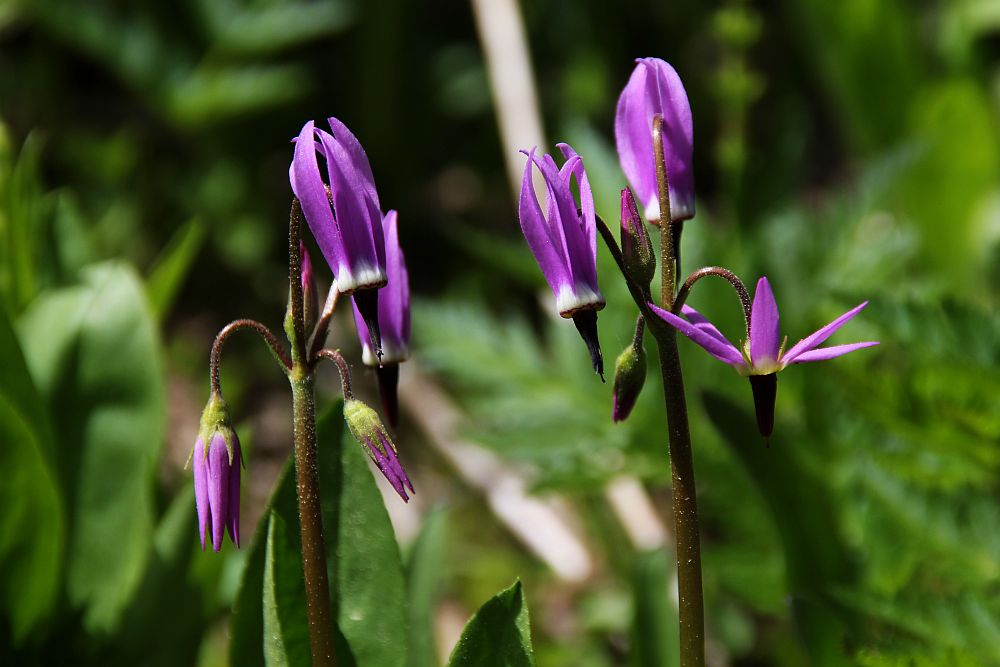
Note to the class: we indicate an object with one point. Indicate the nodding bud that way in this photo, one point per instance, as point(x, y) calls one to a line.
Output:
point(367, 429)
point(310, 295)
point(630, 376)
point(765, 388)
point(637, 247)
point(367, 302)
point(586, 324)
point(217, 460)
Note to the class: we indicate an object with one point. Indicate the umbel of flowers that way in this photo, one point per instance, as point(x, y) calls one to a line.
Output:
point(335, 194)
point(654, 136)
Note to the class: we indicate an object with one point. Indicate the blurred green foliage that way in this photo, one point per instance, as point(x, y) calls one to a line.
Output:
point(847, 150)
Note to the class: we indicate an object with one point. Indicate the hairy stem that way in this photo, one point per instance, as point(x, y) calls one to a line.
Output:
point(691, 610)
point(311, 522)
point(345, 372)
point(215, 358)
point(691, 606)
point(306, 471)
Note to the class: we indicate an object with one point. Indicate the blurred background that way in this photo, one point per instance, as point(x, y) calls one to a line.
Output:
point(847, 150)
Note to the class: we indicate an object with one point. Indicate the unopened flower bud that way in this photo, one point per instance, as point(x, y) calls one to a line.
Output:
point(367, 429)
point(310, 295)
point(217, 462)
point(637, 247)
point(630, 376)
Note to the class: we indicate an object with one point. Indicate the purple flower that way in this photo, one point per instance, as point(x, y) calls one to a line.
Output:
point(763, 354)
point(564, 241)
point(654, 88)
point(368, 430)
point(217, 461)
point(343, 213)
point(393, 321)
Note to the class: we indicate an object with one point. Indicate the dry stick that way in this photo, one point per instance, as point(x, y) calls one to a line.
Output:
point(306, 466)
point(691, 605)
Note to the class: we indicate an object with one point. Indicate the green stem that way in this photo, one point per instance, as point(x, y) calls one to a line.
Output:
point(691, 606)
point(306, 466)
point(311, 520)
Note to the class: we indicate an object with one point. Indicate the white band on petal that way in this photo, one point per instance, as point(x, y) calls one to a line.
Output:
point(579, 297)
point(363, 276)
point(392, 353)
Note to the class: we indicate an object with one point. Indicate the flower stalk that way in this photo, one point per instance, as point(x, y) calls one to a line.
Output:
point(306, 465)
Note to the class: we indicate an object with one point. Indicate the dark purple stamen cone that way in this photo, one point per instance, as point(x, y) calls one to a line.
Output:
point(388, 380)
point(586, 324)
point(367, 303)
point(765, 387)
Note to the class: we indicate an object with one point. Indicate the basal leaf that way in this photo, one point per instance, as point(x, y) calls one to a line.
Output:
point(94, 352)
point(498, 635)
point(30, 557)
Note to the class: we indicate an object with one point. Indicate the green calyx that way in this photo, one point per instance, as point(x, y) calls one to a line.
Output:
point(365, 425)
point(630, 376)
point(215, 419)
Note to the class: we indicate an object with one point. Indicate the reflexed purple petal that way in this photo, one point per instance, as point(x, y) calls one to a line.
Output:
point(583, 259)
point(765, 332)
point(824, 353)
point(700, 321)
point(308, 186)
point(654, 87)
point(722, 350)
point(357, 156)
point(201, 489)
point(816, 339)
point(537, 232)
point(234, 494)
point(218, 488)
point(354, 221)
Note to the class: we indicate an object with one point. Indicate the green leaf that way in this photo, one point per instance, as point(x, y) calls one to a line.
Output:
point(246, 628)
point(498, 635)
point(167, 277)
point(363, 556)
point(32, 523)
point(286, 625)
point(94, 352)
point(655, 640)
point(424, 581)
point(366, 575)
point(21, 209)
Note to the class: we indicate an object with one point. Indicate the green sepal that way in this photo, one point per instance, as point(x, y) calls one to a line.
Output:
point(366, 426)
point(216, 419)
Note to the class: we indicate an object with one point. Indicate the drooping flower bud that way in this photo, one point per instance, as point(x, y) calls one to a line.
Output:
point(310, 295)
point(637, 247)
point(655, 88)
point(367, 429)
point(630, 376)
point(217, 461)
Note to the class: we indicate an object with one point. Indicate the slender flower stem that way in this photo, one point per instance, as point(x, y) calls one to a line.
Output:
point(220, 340)
point(323, 324)
point(668, 247)
point(306, 466)
point(345, 372)
point(726, 274)
point(691, 606)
